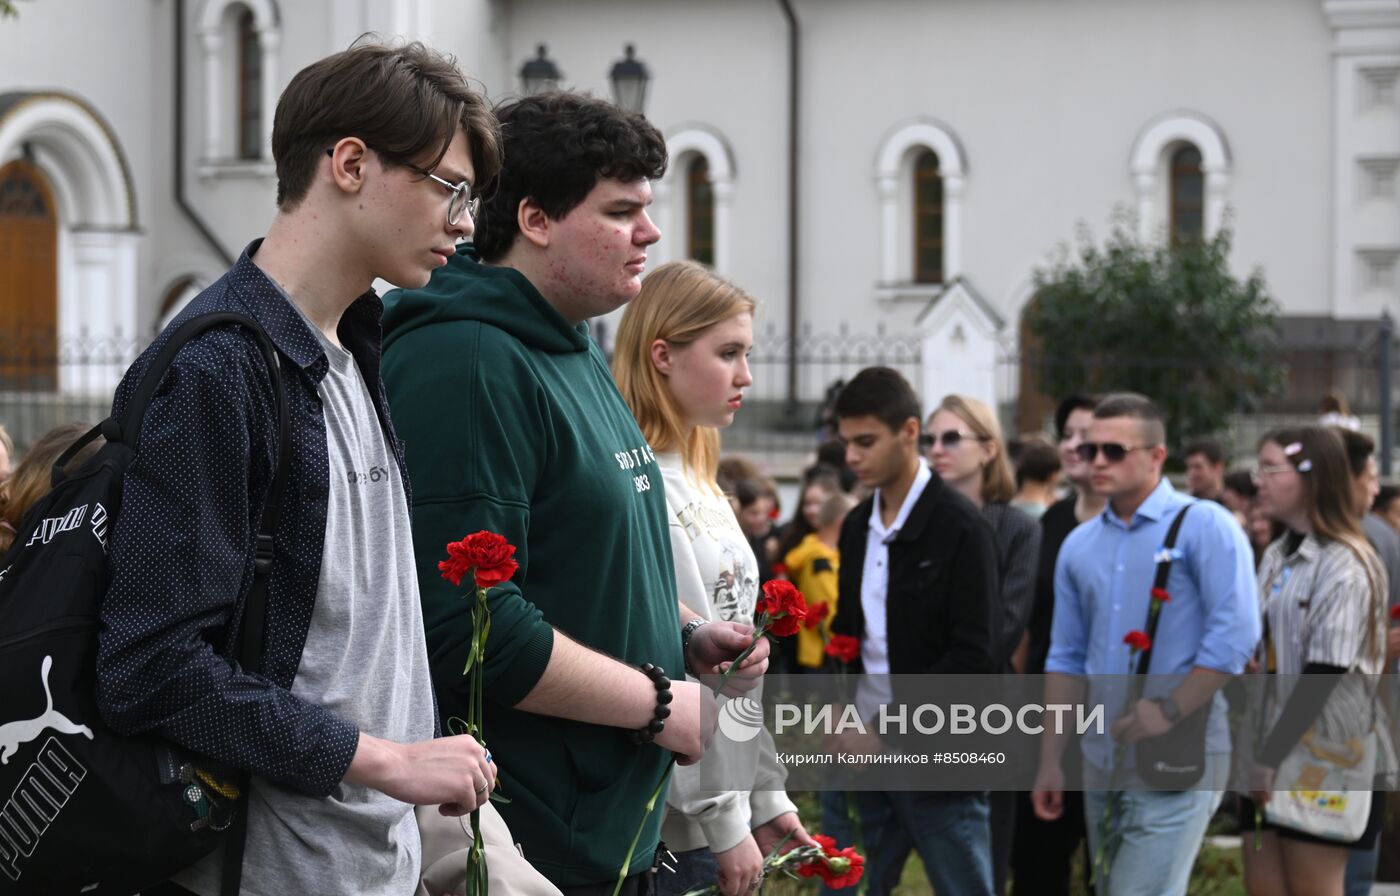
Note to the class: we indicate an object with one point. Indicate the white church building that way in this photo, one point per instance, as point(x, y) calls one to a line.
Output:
point(889, 169)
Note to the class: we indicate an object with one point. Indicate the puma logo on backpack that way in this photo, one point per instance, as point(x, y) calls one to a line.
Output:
point(13, 734)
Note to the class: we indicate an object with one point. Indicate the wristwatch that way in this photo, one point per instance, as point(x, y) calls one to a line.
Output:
point(686, 632)
point(1169, 708)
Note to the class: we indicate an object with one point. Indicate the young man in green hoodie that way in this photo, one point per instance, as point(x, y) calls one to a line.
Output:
point(513, 425)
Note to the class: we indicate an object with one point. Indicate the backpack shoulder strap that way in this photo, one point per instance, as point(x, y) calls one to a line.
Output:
point(128, 431)
point(1164, 568)
point(249, 646)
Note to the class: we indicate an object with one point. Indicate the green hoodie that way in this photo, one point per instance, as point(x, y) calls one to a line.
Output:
point(512, 423)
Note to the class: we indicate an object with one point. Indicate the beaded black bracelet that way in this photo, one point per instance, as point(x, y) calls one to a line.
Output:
point(663, 709)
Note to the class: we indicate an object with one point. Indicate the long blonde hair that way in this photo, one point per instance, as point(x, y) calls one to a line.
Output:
point(998, 481)
point(679, 301)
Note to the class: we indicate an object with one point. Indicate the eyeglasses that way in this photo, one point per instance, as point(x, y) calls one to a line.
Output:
point(462, 199)
point(1258, 473)
point(1112, 451)
point(950, 439)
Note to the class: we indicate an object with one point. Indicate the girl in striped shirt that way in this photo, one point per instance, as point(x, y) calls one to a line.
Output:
point(1323, 597)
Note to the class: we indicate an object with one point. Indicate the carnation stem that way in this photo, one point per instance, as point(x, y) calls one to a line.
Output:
point(759, 634)
point(651, 804)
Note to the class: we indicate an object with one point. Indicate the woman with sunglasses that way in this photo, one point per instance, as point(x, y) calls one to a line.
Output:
point(681, 364)
point(965, 448)
point(1322, 592)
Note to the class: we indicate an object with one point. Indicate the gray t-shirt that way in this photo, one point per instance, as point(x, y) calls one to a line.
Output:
point(365, 659)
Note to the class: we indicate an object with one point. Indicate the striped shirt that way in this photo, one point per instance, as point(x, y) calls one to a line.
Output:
point(1318, 607)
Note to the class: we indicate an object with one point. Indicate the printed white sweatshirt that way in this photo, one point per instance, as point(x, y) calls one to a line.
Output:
point(738, 786)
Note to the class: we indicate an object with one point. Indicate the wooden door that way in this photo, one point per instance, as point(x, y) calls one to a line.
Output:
point(28, 280)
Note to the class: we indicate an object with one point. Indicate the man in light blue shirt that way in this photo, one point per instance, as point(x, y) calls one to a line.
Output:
point(1206, 633)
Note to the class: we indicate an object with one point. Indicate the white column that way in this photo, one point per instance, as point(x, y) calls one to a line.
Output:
point(268, 42)
point(952, 226)
point(1216, 181)
point(723, 191)
point(1146, 184)
point(213, 113)
point(889, 230)
point(663, 215)
point(98, 311)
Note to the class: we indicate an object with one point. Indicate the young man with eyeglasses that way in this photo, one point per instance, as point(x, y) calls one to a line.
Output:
point(517, 427)
point(919, 589)
point(338, 728)
point(1206, 633)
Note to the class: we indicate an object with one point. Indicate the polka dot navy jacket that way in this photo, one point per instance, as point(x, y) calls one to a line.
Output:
point(182, 550)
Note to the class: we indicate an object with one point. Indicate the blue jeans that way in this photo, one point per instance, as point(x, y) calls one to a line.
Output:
point(1361, 865)
point(1158, 834)
point(949, 830)
point(695, 868)
point(836, 824)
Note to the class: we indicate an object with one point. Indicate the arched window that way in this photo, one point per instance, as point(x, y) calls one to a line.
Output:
point(700, 212)
point(28, 279)
point(1181, 173)
point(920, 172)
point(1187, 196)
point(928, 219)
point(240, 40)
point(250, 87)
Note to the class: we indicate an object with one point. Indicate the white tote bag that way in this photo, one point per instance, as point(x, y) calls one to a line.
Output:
point(1323, 788)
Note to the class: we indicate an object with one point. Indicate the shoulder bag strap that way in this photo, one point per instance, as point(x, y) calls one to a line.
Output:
point(1164, 568)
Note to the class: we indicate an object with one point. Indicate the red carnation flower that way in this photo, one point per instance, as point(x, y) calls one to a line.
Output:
point(838, 869)
point(784, 606)
point(1137, 640)
point(1395, 613)
point(817, 613)
point(844, 647)
point(815, 866)
point(837, 879)
point(1161, 595)
point(486, 555)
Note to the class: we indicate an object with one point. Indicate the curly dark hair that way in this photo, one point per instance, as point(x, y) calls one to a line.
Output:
point(557, 147)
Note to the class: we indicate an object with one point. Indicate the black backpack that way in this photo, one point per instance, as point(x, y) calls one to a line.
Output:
point(86, 810)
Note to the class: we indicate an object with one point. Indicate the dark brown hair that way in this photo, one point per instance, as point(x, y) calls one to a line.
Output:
point(405, 102)
point(879, 392)
point(1359, 448)
point(558, 146)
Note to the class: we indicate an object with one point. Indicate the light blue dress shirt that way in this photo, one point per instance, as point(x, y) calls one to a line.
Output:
point(1103, 582)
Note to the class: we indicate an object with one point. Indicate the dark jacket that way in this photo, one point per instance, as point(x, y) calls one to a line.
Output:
point(182, 552)
point(943, 607)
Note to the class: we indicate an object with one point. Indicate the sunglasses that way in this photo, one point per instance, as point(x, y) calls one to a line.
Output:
point(1112, 451)
point(950, 439)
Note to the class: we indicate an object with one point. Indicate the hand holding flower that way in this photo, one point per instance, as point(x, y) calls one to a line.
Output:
point(739, 867)
point(714, 647)
point(785, 830)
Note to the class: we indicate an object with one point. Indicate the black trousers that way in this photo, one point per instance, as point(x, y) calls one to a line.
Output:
point(1043, 851)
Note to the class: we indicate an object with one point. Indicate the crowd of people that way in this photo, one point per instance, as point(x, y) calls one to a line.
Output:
point(473, 398)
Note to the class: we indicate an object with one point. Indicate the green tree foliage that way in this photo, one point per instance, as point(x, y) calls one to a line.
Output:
point(7, 9)
point(1171, 322)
